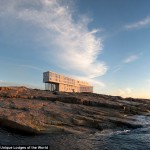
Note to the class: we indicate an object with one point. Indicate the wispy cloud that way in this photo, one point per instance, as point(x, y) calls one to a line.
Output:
point(94, 82)
point(116, 68)
point(1, 81)
point(7, 83)
point(68, 41)
point(131, 58)
point(139, 24)
point(125, 92)
point(148, 81)
point(30, 67)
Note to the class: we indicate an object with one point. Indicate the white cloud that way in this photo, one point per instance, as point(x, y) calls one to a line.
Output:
point(148, 81)
point(116, 68)
point(142, 23)
point(91, 81)
point(7, 83)
point(131, 58)
point(124, 92)
point(69, 43)
point(1, 81)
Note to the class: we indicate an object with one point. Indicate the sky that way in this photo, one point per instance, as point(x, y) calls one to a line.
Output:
point(104, 42)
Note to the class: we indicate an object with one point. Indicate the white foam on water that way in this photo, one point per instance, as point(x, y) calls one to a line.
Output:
point(109, 132)
point(144, 120)
point(123, 131)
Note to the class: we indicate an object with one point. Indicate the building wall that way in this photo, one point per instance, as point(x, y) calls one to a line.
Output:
point(66, 84)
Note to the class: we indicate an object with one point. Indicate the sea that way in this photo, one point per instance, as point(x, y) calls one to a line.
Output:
point(121, 139)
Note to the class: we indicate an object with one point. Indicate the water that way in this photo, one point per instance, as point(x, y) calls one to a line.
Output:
point(124, 139)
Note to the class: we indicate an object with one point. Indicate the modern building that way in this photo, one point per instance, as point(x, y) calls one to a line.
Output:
point(57, 82)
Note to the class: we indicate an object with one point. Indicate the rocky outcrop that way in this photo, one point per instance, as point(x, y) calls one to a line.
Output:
point(39, 111)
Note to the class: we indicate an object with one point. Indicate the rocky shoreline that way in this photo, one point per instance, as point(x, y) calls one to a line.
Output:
point(39, 111)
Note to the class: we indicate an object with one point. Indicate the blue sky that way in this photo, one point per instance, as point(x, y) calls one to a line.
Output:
point(104, 42)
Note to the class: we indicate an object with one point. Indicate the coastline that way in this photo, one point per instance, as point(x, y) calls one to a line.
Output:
point(38, 111)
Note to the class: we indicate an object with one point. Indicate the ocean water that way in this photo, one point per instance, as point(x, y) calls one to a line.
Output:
point(122, 139)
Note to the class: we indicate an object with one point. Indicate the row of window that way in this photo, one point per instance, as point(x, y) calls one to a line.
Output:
point(59, 78)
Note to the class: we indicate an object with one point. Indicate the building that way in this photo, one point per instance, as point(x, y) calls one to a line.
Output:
point(54, 81)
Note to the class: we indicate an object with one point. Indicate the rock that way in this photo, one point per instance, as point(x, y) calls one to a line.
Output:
point(39, 111)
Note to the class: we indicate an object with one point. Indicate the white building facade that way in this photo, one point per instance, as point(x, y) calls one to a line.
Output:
point(54, 81)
